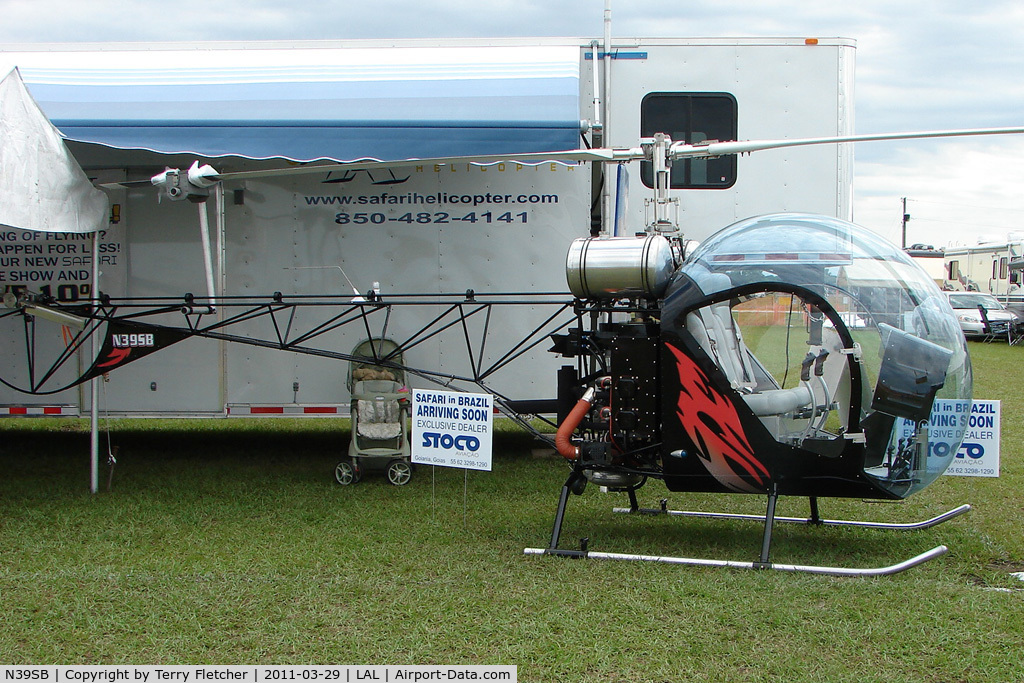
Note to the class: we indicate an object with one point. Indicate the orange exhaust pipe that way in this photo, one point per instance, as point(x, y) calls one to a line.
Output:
point(562, 437)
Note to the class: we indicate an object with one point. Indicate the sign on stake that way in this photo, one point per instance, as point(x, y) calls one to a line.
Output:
point(452, 429)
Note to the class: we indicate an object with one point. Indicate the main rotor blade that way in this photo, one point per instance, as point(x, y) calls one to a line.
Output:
point(566, 156)
point(682, 150)
point(678, 150)
point(533, 158)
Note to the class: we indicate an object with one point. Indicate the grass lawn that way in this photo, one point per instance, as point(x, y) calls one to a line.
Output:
point(227, 542)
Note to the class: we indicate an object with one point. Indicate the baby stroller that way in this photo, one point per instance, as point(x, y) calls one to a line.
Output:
point(380, 406)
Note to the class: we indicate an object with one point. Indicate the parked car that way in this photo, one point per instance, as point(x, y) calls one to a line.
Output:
point(967, 307)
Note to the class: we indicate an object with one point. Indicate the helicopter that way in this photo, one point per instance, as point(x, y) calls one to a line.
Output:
point(685, 362)
point(788, 355)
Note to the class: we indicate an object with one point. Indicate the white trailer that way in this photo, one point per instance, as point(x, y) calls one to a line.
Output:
point(990, 267)
point(130, 110)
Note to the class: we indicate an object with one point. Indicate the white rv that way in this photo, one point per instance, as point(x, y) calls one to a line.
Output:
point(129, 110)
point(990, 267)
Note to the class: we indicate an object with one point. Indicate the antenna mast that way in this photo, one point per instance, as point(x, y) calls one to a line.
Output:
point(906, 217)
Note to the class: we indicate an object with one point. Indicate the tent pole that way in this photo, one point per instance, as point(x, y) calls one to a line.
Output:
point(607, 208)
point(94, 386)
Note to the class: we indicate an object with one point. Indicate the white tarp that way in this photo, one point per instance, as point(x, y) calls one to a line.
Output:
point(42, 187)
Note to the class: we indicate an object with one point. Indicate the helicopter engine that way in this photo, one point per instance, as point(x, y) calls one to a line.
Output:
point(617, 282)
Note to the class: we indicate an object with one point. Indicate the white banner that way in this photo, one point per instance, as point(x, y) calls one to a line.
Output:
point(452, 429)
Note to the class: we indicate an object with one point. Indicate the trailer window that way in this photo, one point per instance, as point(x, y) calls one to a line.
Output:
point(692, 118)
point(954, 270)
point(1004, 268)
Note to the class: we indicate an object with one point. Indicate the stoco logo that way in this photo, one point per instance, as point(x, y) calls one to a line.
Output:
point(447, 441)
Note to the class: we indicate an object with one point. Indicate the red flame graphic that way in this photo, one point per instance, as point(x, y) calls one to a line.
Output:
point(115, 357)
point(711, 422)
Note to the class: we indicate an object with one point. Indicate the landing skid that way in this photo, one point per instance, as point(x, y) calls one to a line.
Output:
point(812, 520)
point(803, 568)
point(575, 482)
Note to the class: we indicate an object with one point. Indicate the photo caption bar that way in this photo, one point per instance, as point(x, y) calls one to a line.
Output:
point(255, 673)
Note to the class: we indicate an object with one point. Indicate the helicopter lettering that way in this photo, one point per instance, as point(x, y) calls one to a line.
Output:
point(125, 341)
point(437, 424)
point(30, 275)
point(437, 411)
point(429, 397)
point(984, 421)
point(21, 249)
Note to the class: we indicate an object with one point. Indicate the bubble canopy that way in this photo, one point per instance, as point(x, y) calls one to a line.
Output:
point(904, 365)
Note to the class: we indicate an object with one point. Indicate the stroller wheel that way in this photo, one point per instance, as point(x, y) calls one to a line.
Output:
point(399, 472)
point(346, 473)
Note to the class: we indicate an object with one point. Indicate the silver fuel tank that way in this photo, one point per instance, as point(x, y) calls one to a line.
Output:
point(617, 267)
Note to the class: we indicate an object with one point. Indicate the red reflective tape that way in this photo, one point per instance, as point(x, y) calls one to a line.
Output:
point(51, 411)
point(320, 410)
point(19, 411)
point(266, 410)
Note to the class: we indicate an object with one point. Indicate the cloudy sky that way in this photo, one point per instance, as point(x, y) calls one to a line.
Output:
point(921, 65)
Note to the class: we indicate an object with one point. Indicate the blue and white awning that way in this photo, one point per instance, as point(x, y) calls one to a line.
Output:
point(308, 103)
